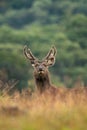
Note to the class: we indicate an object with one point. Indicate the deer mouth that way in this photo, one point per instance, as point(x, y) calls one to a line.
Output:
point(41, 72)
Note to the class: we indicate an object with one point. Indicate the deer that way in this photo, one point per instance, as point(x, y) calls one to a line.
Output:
point(41, 72)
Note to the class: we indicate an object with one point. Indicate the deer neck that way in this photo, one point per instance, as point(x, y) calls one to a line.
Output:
point(42, 83)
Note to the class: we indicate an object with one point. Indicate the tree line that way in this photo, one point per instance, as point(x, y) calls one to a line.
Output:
point(41, 24)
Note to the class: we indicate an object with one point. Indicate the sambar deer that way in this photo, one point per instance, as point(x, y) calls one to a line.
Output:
point(41, 73)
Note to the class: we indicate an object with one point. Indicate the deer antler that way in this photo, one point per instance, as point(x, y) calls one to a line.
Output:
point(50, 58)
point(28, 53)
point(54, 49)
point(51, 53)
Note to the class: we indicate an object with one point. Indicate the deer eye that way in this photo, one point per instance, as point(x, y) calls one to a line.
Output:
point(36, 64)
point(44, 64)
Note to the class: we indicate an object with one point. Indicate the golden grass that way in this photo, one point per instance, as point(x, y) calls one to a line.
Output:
point(42, 112)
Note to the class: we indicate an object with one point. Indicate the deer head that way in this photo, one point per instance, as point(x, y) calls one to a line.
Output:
point(41, 67)
point(38, 65)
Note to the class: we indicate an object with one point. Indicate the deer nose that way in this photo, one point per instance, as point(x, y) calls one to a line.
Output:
point(40, 68)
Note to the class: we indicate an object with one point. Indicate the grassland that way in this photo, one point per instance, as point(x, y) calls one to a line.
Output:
point(42, 112)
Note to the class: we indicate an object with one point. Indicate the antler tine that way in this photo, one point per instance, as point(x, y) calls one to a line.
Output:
point(28, 53)
point(54, 49)
point(46, 57)
point(52, 52)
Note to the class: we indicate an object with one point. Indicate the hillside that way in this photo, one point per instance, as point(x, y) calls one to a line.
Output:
point(41, 24)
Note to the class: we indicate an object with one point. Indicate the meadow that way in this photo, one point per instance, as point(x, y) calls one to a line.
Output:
point(67, 111)
point(40, 25)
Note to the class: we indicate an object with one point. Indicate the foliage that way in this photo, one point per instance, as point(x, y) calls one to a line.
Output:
point(41, 112)
point(41, 24)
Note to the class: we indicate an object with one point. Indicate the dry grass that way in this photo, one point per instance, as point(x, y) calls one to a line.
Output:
point(67, 111)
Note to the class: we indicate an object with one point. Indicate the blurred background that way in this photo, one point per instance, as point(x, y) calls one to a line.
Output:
point(41, 24)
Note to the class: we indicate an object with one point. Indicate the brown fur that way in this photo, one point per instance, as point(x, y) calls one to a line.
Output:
point(41, 73)
point(43, 83)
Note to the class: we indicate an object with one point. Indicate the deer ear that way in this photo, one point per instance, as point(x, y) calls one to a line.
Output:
point(51, 61)
point(50, 58)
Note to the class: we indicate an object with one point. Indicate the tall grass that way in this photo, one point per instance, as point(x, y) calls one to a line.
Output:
point(44, 112)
